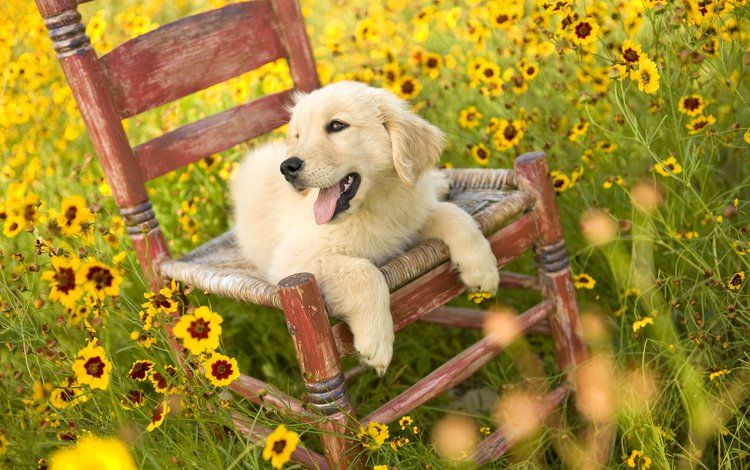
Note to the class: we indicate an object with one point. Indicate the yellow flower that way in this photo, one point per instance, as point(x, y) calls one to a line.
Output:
point(92, 367)
point(374, 436)
point(133, 399)
point(74, 216)
point(479, 297)
point(13, 226)
point(221, 370)
point(631, 52)
point(692, 105)
point(699, 124)
point(200, 331)
point(163, 300)
point(578, 130)
point(735, 282)
point(746, 136)
point(4, 444)
point(637, 459)
point(157, 416)
point(380, 467)
point(647, 76)
point(407, 87)
point(718, 373)
point(469, 118)
point(584, 281)
point(141, 369)
point(100, 280)
point(638, 324)
point(584, 31)
point(481, 154)
point(668, 167)
point(279, 446)
point(405, 422)
point(508, 134)
point(93, 453)
point(63, 278)
point(560, 181)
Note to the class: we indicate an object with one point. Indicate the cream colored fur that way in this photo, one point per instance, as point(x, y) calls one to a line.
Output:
point(396, 205)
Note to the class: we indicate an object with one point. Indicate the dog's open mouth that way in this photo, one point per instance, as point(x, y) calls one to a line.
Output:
point(335, 199)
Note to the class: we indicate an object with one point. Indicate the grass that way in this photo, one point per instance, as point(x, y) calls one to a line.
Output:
point(653, 192)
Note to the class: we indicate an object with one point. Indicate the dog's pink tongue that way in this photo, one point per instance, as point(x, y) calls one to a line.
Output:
point(325, 205)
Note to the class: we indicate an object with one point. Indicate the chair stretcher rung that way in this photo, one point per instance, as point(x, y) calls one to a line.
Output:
point(262, 393)
point(472, 318)
point(454, 371)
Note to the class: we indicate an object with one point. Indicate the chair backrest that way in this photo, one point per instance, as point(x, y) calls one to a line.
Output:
point(168, 63)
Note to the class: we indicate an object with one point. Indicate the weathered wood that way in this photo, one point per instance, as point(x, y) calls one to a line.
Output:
point(53, 7)
point(319, 363)
point(442, 284)
point(221, 131)
point(565, 329)
point(191, 54)
point(455, 371)
point(497, 444)
point(301, 455)
point(262, 393)
point(471, 318)
point(297, 44)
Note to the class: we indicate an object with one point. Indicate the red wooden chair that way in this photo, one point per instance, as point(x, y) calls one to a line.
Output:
point(514, 208)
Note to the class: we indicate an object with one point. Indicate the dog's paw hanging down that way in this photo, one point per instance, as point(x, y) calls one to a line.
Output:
point(353, 186)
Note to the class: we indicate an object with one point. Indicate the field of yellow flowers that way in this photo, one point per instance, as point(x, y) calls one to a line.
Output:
point(644, 111)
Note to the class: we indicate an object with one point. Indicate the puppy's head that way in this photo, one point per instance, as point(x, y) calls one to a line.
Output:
point(347, 137)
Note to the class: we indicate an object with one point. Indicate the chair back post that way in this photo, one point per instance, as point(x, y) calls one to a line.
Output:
point(299, 53)
point(92, 93)
point(532, 175)
point(320, 365)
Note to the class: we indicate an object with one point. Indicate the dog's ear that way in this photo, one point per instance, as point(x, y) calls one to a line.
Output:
point(417, 144)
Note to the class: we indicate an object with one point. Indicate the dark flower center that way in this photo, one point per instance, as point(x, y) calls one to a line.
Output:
point(102, 277)
point(278, 446)
point(221, 370)
point(70, 214)
point(583, 30)
point(199, 329)
point(631, 55)
point(66, 280)
point(139, 371)
point(510, 132)
point(691, 103)
point(736, 280)
point(94, 367)
point(407, 87)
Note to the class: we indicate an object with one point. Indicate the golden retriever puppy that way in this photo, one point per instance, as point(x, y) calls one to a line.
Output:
point(353, 186)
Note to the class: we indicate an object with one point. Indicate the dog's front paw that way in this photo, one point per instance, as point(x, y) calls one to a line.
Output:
point(478, 269)
point(374, 343)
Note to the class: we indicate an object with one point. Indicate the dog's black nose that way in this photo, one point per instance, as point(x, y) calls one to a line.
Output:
point(290, 167)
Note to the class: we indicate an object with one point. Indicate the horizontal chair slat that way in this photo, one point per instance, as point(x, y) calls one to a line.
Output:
point(221, 131)
point(191, 54)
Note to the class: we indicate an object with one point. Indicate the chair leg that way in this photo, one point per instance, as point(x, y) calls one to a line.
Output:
point(532, 175)
point(320, 365)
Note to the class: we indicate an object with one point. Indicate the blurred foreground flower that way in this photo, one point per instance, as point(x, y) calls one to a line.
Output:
point(93, 453)
point(597, 227)
point(519, 414)
point(279, 446)
point(455, 437)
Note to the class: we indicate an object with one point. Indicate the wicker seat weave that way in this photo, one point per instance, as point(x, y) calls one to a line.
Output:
point(218, 267)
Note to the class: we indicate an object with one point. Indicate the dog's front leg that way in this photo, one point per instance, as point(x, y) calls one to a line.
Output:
point(469, 250)
point(355, 291)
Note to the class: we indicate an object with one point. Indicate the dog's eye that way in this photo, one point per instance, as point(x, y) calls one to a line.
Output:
point(336, 126)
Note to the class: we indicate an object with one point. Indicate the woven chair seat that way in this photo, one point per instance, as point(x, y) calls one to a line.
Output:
point(218, 267)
